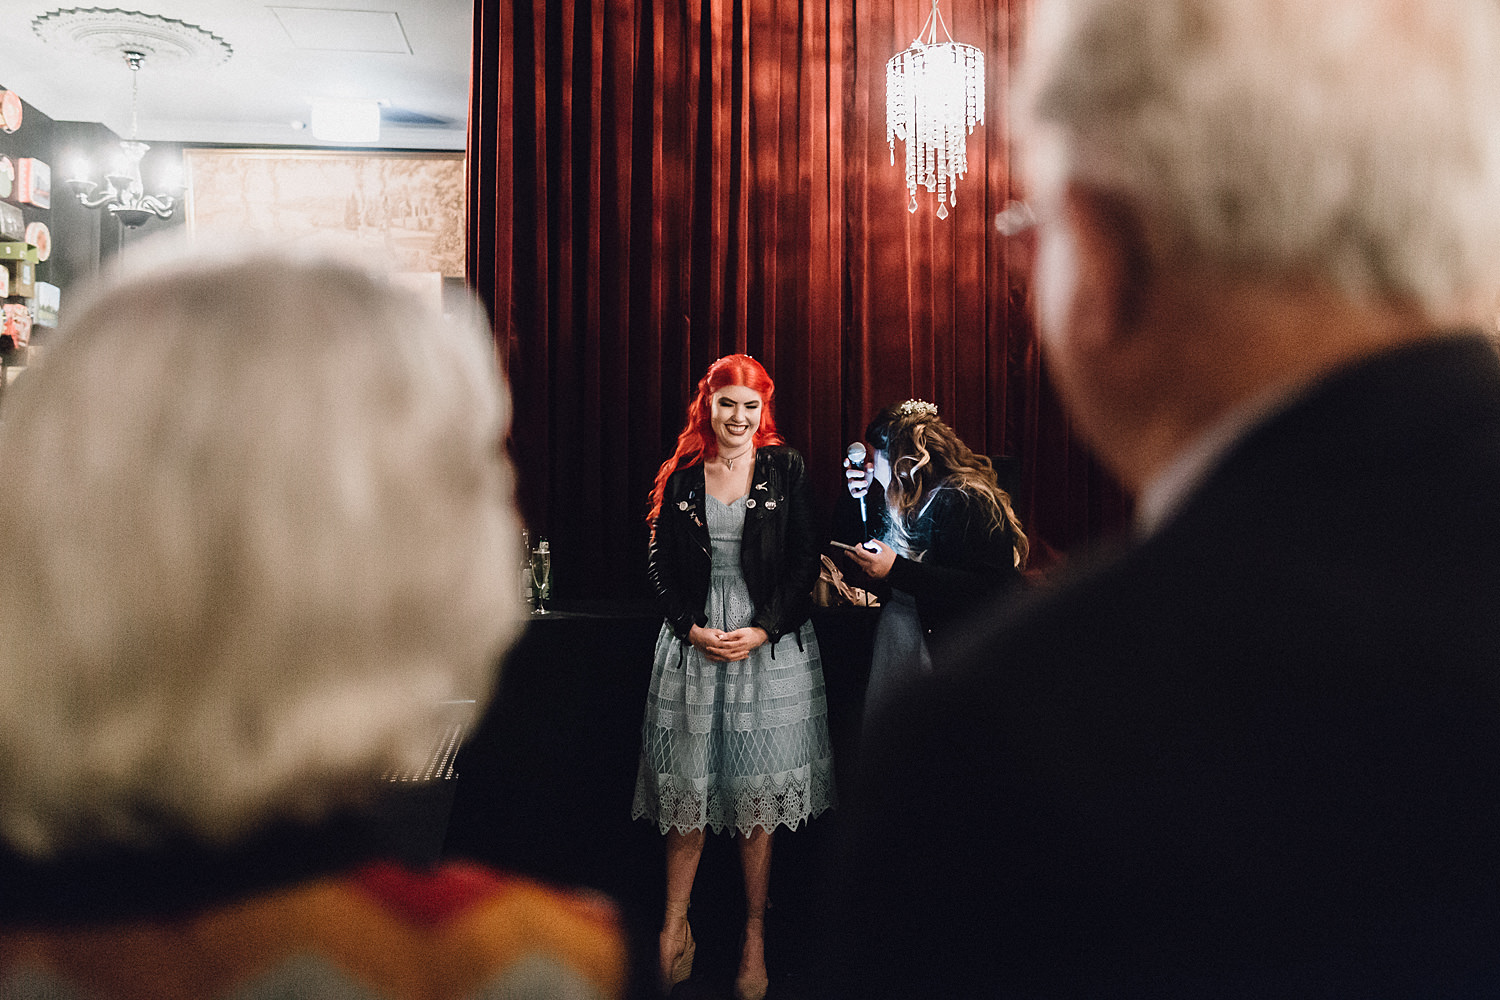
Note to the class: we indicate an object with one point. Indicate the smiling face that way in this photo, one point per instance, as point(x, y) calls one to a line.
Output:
point(734, 413)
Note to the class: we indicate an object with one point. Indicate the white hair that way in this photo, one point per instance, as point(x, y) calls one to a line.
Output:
point(1356, 142)
point(256, 524)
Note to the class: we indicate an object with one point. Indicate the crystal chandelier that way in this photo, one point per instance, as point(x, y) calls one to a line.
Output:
point(124, 194)
point(934, 96)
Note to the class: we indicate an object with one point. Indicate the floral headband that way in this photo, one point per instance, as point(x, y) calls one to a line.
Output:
point(917, 408)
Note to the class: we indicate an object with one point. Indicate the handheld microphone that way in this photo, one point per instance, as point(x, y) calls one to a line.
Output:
point(856, 456)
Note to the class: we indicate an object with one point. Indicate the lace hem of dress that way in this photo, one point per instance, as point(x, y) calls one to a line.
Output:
point(787, 799)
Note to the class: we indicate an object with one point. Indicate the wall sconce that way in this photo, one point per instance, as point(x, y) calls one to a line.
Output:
point(124, 194)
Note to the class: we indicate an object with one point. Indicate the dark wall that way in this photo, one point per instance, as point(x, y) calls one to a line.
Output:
point(82, 238)
point(77, 232)
point(37, 138)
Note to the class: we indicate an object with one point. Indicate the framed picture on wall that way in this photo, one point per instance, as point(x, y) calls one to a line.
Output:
point(407, 207)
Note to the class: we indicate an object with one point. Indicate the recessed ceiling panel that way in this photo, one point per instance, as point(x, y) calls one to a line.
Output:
point(343, 30)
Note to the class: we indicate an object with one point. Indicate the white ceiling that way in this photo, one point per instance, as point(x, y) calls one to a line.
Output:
point(411, 54)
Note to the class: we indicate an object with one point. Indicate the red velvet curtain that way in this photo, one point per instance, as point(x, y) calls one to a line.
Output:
point(655, 184)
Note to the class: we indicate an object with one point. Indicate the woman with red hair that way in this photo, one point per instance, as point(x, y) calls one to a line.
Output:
point(736, 731)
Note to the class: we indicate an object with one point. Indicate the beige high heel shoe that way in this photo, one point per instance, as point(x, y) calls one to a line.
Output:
point(676, 961)
point(753, 986)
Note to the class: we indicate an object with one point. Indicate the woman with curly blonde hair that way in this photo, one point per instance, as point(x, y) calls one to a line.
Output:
point(946, 542)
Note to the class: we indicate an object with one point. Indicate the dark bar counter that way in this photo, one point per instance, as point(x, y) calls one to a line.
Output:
point(545, 781)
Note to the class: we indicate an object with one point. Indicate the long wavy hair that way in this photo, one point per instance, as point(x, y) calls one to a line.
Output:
point(696, 442)
point(925, 454)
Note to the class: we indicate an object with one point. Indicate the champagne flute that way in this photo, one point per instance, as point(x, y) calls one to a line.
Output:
point(525, 580)
point(541, 576)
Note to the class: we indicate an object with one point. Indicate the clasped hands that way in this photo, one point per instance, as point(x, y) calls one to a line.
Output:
point(726, 647)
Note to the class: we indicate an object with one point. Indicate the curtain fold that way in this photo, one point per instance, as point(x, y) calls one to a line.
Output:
point(655, 184)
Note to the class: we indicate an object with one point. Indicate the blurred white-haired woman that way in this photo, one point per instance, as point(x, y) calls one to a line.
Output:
point(258, 527)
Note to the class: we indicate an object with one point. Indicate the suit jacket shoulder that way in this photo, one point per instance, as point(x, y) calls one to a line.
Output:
point(1248, 755)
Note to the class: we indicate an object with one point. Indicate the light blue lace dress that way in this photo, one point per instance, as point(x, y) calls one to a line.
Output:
point(734, 745)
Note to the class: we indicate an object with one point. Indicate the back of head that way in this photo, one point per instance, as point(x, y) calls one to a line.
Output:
point(1355, 143)
point(923, 451)
point(926, 454)
point(258, 526)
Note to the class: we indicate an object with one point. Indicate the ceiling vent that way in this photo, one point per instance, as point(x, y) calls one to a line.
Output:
point(405, 118)
point(325, 30)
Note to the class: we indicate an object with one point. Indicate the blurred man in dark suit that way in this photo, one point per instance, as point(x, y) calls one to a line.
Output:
point(1256, 751)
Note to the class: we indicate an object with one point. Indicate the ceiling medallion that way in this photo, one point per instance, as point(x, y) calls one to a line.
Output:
point(108, 33)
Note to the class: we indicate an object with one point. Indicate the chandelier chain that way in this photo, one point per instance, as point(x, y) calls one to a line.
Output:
point(135, 80)
point(930, 26)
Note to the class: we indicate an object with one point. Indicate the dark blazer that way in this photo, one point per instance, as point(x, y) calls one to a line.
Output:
point(1256, 754)
point(967, 561)
point(778, 554)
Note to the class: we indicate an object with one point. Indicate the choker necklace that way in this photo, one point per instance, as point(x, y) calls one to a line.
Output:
point(729, 462)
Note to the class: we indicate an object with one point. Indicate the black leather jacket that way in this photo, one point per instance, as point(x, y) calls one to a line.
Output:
point(967, 562)
point(778, 554)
